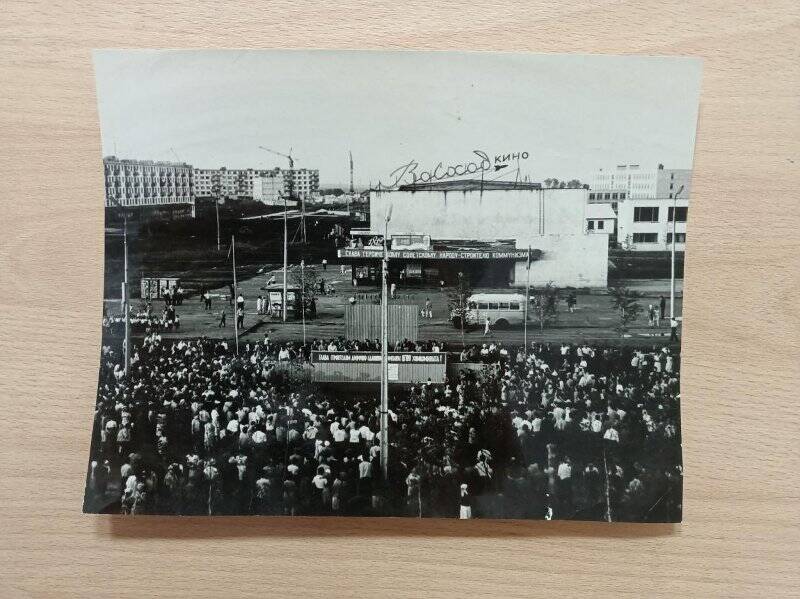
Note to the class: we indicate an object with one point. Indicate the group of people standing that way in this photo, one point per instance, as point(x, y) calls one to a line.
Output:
point(551, 432)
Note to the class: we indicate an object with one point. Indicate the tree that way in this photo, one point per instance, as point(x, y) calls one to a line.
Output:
point(625, 301)
point(574, 184)
point(458, 304)
point(548, 182)
point(544, 302)
point(307, 279)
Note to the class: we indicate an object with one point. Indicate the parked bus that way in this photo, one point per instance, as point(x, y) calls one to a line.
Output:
point(503, 309)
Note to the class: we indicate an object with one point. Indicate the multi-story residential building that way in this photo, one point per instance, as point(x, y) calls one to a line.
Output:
point(145, 183)
point(239, 184)
point(643, 200)
point(270, 188)
point(305, 182)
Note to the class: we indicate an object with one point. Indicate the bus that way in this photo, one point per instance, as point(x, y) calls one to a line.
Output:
point(503, 309)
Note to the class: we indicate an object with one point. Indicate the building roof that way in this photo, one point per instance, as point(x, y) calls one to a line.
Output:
point(600, 211)
point(467, 185)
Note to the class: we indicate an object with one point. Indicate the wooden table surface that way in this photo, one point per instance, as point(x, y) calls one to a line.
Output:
point(741, 363)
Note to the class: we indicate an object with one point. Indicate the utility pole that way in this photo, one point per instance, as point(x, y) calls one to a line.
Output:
point(672, 274)
point(527, 302)
point(285, 256)
point(216, 207)
point(235, 296)
point(385, 354)
point(125, 293)
point(302, 228)
point(303, 297)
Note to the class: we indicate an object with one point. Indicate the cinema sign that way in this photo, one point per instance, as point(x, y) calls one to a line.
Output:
point(436, 254)
point(365, 367)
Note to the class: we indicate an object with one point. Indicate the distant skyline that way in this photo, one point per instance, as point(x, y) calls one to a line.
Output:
point(572, 114)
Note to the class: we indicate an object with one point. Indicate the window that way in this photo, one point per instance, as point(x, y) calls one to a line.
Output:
point(591, 225)
point(679, 238)
point(483, 306)
point(645, 238)
point(670, 196)
point(600, 225)
point(645, 214)
point(504, 305)
point(514, 305)
point(591, 196)
point(614, 196)
point(494, 306)
point(608, 196)
point(670, 185)
point(680, 214)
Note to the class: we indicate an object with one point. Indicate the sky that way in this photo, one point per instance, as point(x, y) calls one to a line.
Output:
point(572, 114)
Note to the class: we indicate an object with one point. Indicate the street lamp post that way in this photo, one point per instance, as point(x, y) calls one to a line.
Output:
point(384, 447)
point(125, 293)
point(285, 254)
point(125, 302)
point(672, 273)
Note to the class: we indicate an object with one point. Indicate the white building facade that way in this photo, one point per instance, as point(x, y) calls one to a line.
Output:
point(240, 184)
point(270, 189)
point(145, 183)
point(644, 201)
point(498, 226)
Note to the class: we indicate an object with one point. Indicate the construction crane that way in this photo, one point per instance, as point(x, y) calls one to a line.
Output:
point(301, 229)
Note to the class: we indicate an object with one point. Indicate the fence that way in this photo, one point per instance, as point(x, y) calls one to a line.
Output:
point(363, 321)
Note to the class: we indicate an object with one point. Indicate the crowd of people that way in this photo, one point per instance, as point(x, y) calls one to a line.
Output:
point(557, 431)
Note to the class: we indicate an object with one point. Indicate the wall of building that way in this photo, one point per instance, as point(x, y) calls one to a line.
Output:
point(568, 261)
point(134, 183)
point(552, 220)
point(627, 227)
point(269, 189)
point(485, 216)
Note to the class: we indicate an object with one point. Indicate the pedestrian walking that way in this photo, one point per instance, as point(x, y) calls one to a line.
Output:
point(465, 503)
point(324, 264)
point(231, 294)
point(428, 310)
point(651, 315)
point(221, 323)
point(441, 285)
point(207, 298)
point(259, 305)
point(392, 290)
point(487, 325)
point(240, 318)
point(662, 303)
point(673, 329)
point(572, 300)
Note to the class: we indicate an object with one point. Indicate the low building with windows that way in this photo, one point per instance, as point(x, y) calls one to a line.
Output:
point(646, 224)
point(486, 232)
point(643, 201)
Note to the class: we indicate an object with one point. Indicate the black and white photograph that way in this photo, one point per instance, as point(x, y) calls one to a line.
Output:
point(392, 284)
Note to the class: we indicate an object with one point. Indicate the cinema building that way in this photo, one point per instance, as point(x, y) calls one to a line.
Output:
point(485, 231)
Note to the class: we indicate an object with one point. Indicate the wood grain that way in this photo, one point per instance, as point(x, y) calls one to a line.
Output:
point(741, 413)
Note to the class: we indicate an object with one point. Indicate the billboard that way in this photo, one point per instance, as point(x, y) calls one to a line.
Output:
point(365, 367)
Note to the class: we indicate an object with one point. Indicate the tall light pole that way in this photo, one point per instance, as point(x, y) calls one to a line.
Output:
point(385, 353)
point(125, 293)
point(285, 255)
point(527, 302)
point(216, 206)
point(672, 274)
point(125, 302)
